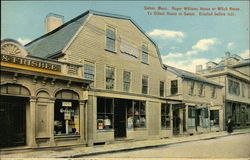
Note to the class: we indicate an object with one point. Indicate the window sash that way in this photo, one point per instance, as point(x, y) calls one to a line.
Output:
point(110, 78)
point(174, 87)
point(144, 84)
point(162, 84)
point(89, 71)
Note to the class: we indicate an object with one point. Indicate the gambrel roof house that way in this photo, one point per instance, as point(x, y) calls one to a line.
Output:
point(54, 43)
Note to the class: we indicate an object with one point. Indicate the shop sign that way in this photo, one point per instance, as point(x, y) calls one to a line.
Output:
point(66, 110)
point(67, 104)
point(30, 62)
point(67, 115)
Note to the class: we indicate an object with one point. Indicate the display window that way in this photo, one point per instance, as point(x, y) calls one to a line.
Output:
point(66, 118)
point(136, 115)
point(214, 117)
point(105, 113)
point(165, 117)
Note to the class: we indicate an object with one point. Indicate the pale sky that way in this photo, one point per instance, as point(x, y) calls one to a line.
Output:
point(184, 41)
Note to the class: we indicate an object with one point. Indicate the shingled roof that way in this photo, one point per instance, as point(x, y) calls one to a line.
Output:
point(189, 75)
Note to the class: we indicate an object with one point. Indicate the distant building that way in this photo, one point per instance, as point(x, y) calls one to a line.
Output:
point(233, 72)
point(201, 108)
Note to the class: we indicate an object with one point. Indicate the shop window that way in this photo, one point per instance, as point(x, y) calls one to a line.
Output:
point(110, 78)
point(191, 116)
point(162, 88)
point(110, 39)
point(66, 117)
point(174, 87)
point(126, 81)
point(213, 92)
point(191, 89)
point(214, 117)
point(233, 87)
point(105, 113)
point(144, 84)
point(89, 71)
point(165, 115)
point(137, 115)
point(144, 54)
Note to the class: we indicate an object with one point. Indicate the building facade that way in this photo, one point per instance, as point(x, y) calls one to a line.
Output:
point(43, 103)
point(201, 106)
point(233, 72)
point(99, 78)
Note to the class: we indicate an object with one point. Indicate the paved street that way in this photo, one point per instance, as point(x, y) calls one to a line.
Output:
point(234, 146)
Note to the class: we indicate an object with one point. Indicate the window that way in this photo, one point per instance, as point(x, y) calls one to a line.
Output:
point(89, 71)
point(191, 90)
point(201, 90)
point(214, 117)
point(110, 39)
point(66, 117)
point(213, 92)
point(144, 54)
point(174, 87)
point(145, 84)
point(233, 87)
point(137, 115)
point(126, 81)
point(161, 88)
point(110, 78)
point(243, 89)
point(248, 91)
point(105, 113)
point(165, 115)
point(191, 116)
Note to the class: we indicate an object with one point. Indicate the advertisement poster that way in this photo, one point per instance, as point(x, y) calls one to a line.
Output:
point(195, 40)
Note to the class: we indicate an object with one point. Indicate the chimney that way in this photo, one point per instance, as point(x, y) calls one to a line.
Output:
point(53, 21)
point(198, 68)
point(227, 54)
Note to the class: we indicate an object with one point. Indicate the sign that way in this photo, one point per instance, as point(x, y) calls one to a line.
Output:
point(67, 115)
point(67, 104)
point(30, 62)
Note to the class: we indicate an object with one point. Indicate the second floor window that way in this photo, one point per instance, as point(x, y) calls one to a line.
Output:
point(233, 87)
point(126, 81)
point(161, 88)
point(191, 90)
point(174, 87)
point(213, 92)
point(110, 78)
point(89, 71)
point(201, 90)
point(110, 39)
point(144, 56)
point(144, 84)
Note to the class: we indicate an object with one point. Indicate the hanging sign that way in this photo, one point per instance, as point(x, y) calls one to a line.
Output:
point(67, 104)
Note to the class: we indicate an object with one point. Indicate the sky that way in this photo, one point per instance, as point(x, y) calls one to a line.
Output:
point(184, 41)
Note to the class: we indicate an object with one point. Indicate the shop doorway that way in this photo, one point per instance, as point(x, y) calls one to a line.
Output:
point(120, 108)
point(197, 119)
point(12, 121)
point(176, 122)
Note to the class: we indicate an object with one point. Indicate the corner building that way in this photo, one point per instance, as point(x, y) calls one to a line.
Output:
point(42, 101)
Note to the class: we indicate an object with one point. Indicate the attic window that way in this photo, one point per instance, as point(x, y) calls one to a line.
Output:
point(144, 55)
point(110, 39)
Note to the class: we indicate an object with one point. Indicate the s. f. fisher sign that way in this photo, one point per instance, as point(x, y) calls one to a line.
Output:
point(13, 55)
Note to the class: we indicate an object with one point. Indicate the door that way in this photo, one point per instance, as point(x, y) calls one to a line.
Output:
point(12, 122)
point(120, 107)
point(176, 122)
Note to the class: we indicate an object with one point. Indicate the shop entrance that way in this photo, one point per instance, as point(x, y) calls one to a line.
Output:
point(176, 122)
point(12, 121)
point(120, 108)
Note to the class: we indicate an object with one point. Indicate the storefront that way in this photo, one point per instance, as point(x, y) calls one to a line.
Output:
point(43, 102)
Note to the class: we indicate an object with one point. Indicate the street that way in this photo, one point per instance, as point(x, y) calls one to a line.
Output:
point(234, 146)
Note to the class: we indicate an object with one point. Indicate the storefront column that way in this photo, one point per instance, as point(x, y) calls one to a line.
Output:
point(90, 120)
point(186, 118)
point(51, 120)
point(32, 129)
point(181, 121)
point(82, 121)
point(171, 119)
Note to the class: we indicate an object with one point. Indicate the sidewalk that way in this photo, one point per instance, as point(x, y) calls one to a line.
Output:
point(75, 152)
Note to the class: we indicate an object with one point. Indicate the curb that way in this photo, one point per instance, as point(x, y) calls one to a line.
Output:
point(145, 147)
